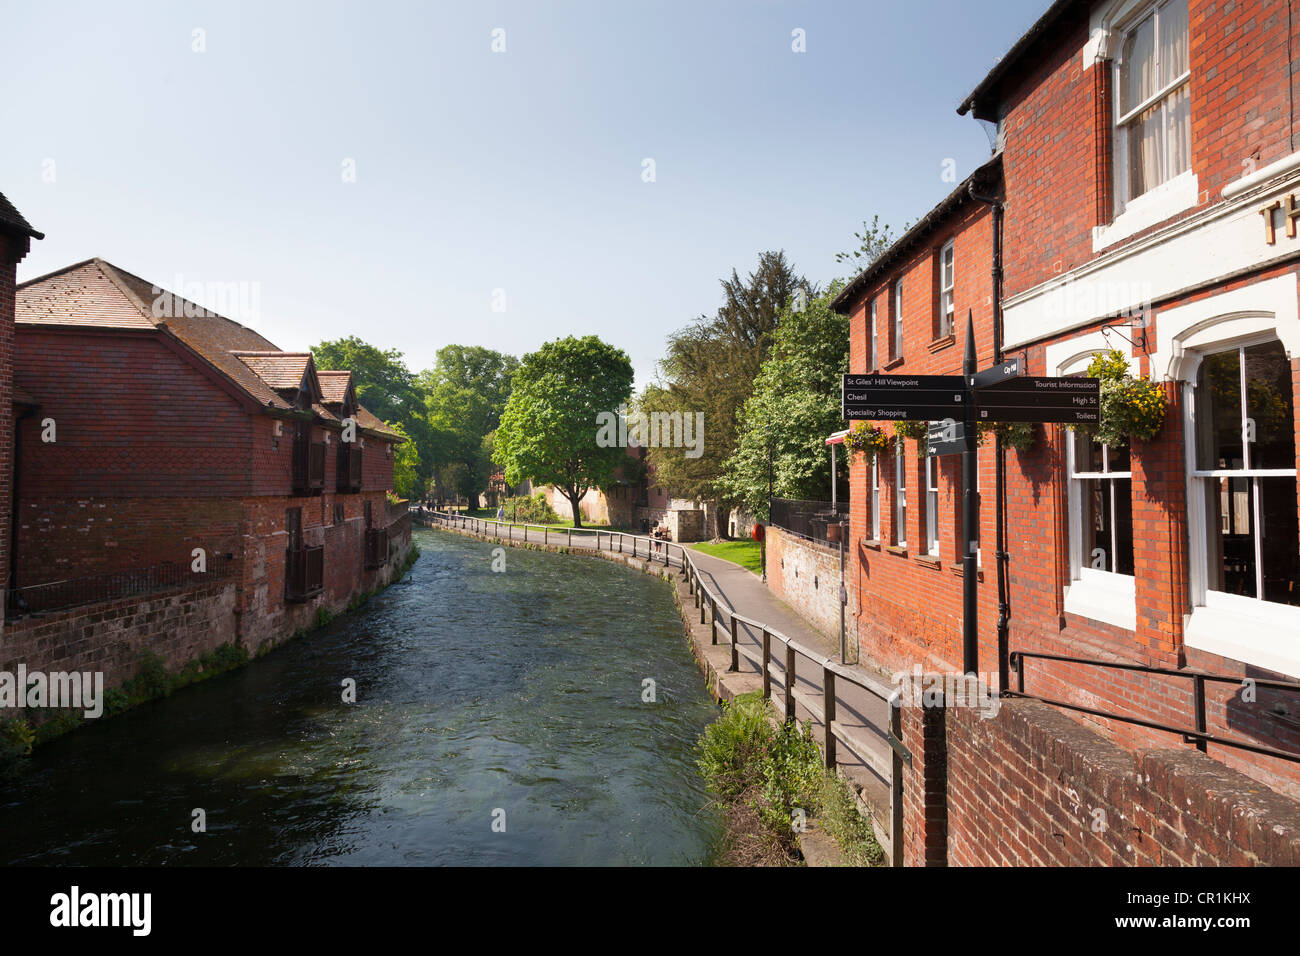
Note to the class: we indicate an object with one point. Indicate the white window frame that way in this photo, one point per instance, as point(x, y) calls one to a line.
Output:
point(947, 284)
point(1104, 596)
point(897, 325)
point(873, 360)
point(932, 506)
point(900, 494)
point(875, 498)
point(1123, 122)
point(1244, 629)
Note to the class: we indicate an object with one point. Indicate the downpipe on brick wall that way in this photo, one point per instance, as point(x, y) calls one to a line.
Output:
point(1002, 557)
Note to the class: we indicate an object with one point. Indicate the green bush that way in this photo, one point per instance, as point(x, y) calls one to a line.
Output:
point(151, 680)
point(731, 748)
point(526, 510)
point(16, 737)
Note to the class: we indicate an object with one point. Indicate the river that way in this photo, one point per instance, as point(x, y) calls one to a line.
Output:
point(499, 719)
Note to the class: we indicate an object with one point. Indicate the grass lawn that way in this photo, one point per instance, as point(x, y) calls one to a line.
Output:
point(744, 553)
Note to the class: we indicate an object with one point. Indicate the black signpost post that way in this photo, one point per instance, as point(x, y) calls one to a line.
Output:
point(955, 404)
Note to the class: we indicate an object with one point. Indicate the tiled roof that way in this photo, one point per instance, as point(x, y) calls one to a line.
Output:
point(96, 293)
point(83, 294)
point(11, 220)
point(334, 385)
point(280, 370)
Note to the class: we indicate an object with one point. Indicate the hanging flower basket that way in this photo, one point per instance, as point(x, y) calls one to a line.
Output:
point(1131, 407)
point(1017, 435)
point(867, 439)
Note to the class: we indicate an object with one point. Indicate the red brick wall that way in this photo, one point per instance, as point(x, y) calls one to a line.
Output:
point(133, 419)
point(12, 250)
point(1055, 793)
point(1057, 127)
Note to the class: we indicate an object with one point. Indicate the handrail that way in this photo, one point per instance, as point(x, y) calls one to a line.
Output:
point(708, 602)
point(1199, 736)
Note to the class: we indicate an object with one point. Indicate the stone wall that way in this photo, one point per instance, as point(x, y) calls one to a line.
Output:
point(178, 625)
point(806, 576)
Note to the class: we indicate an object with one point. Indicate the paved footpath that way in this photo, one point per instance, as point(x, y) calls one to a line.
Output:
point(859, 711)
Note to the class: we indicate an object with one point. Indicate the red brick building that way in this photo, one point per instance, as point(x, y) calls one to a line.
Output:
point(1146, 195)
point(167, 434)
point(16, 235)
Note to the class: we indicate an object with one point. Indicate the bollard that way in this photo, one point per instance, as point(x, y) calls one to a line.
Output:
point(789, 682)
point(828, 690)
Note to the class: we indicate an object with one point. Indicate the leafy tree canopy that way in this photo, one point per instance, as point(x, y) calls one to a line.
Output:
point(548, 432)
point(710, 367)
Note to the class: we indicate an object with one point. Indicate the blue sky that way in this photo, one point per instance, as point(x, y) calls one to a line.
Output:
point(478, 171)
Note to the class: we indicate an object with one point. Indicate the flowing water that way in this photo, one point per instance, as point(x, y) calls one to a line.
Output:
point(483, 700)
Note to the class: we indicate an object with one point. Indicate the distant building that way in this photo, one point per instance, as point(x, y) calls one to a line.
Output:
point(154, 438)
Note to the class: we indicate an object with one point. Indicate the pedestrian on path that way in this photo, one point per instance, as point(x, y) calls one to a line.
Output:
point(501, 513)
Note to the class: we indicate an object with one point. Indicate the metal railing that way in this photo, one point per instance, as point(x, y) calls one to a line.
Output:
point(114, 585)
point(1198, 735)
point(714, 611)
point(808, 519)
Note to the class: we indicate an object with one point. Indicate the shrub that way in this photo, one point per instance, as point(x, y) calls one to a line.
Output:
point(530, 510)
point(731, 748)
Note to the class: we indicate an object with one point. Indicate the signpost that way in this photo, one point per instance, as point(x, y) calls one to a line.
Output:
point(954, 405)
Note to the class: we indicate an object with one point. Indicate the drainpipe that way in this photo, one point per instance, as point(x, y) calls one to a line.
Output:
point(1002, 557)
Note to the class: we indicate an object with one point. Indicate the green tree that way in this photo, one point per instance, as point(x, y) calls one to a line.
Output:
point(384, 384)
point(795, 405)
point(711, 365)
point(464, 395)
point(406, 465)
point(386, 387)
point(550, 428)
point(873, 240)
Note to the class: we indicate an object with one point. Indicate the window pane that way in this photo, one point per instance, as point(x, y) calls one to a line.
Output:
point(1119, 459)
point(1232, 549)
point(1137, 75)
point(947, 267)
point(1270, 412)
point(1087, 453)
point(1178, 144)
point(1280, 547)
point(1173, 41)
point(1107, 524)
point(1145, 152)
point(1218, 416)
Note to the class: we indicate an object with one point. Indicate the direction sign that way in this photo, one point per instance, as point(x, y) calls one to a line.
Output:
point(1065, 416)
point(995, 375)
point(945, 382)
point(902, 397)
point(947, 437)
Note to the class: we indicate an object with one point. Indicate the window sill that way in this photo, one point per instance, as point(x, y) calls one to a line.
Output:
point(900, 550)
point(930, 561)
point(893, 363)
point(961, 573)
point(1254, 632)
point(938, 345)
point(1103, 596)
point(873, 544)
point(1151, 208)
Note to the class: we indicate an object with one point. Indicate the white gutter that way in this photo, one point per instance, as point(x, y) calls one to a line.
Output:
point(1275, 170)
